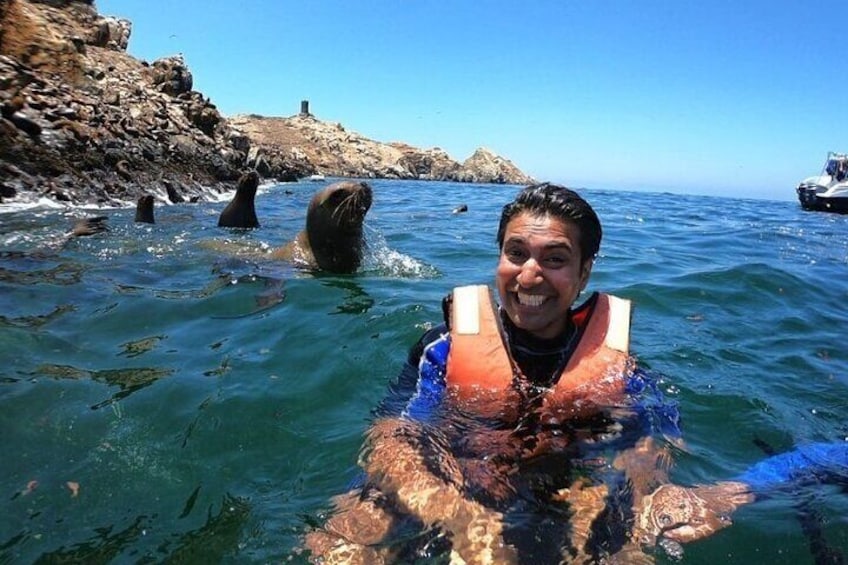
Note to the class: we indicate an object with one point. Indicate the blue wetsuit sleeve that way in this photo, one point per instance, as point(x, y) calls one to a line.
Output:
point(815, 463)
point(431, 385)
point(655, 413)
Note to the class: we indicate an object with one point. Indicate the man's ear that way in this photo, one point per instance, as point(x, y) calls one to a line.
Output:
point(585, 271)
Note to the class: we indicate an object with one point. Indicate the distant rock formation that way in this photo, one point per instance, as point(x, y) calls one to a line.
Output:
point(333, 150)
point(83, 122)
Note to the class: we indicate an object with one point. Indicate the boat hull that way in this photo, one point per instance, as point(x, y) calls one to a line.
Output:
point(810, 200)
point(827, 192)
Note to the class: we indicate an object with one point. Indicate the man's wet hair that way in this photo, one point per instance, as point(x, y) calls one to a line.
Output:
point(548, 199)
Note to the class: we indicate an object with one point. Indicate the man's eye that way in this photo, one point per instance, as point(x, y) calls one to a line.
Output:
point(555, 261)
point(514, 254)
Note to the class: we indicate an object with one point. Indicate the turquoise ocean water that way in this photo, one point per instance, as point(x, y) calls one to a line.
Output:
point(205, 408)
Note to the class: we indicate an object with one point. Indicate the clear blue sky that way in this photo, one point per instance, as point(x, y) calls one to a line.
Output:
point(717, 97)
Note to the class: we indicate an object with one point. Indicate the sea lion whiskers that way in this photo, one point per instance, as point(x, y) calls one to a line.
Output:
point(348, 205)
point(344, 207)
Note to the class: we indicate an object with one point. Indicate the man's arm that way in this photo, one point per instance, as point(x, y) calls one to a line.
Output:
point(411, 470)
point(414, 466)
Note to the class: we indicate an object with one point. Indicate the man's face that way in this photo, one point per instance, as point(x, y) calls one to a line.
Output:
point(540, 273)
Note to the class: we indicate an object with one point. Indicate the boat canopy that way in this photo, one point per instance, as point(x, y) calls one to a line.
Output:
point(837, 165)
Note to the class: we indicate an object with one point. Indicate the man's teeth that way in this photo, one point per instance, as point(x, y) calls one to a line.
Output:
point(530, 299)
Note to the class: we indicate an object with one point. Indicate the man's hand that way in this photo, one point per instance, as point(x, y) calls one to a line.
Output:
point(685, 514)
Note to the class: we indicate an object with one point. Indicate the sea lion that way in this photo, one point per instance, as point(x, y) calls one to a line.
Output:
point(332, 240)
point(85, 227)
point(81, 228)
point(460, 209)
point(241, 212)
point(144, 209)
point(174, 196)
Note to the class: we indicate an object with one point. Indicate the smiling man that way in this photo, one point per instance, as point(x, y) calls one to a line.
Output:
point(495, 439)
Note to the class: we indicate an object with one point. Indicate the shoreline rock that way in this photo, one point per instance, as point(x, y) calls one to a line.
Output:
point(82, 122)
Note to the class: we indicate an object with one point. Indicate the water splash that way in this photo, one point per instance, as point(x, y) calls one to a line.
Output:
point(384, 260)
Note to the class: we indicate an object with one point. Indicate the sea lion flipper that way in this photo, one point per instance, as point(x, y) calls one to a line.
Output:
point(296, 251)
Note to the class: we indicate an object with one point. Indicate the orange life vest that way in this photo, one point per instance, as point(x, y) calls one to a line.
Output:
point(480, 373)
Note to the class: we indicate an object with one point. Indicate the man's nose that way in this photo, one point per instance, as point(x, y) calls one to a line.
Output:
point(531, 273)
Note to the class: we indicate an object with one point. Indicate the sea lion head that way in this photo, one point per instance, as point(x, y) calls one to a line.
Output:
point(144, 209)
point(241, 212)
point(334, 225)
point(341, 207)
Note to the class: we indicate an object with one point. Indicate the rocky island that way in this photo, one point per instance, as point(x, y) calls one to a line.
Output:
point(85, 123)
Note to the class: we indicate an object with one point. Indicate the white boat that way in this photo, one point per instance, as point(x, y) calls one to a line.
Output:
point(828, 191)
point(316, 178)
